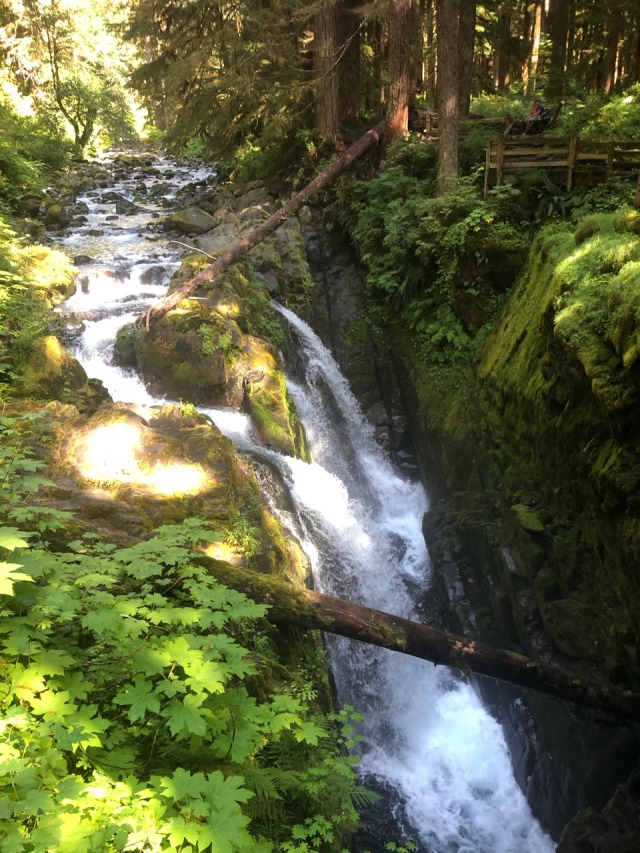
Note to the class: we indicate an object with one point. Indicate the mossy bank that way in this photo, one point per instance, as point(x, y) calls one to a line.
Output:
point(532, 457)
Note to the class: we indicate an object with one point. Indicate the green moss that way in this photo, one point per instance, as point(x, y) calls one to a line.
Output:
point(528, 518)
point(551, 405)
point(274, 414)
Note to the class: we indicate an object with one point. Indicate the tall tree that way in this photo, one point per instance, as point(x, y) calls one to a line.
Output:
point(325, 58)
point(348, 24)
point(558, 33)
point(502, 48)
point(467, 33)
point(534, 56)
point(429, 29)
point(448, 49)
point(65, 56)
point(401, 84)
point(227, 73)
point(615, 22)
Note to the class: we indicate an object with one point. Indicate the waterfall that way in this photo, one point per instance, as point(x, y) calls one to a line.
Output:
point(425, 732)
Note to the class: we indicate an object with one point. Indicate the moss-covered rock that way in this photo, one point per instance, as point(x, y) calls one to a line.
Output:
point(552, 409)
point(49, 372)
point(123, 474)
point(197, 353)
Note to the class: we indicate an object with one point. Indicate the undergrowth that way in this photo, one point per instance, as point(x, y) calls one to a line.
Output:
point(128, 719)
point(32, 279)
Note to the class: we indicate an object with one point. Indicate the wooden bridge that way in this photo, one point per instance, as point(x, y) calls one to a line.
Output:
point(569, 160)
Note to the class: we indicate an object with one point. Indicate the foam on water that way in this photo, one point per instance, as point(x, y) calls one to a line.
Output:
point(425, 731)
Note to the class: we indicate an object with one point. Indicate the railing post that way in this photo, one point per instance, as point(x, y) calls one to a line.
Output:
point(611, 149)
point(571, 162)
point(487, 168)
point(499, 160)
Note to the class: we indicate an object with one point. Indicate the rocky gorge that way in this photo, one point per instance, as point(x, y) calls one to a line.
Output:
point(529, 467)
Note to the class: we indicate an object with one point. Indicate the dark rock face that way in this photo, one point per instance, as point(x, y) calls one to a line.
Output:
point(532, 534)
point(499, 573)
point(615, 828)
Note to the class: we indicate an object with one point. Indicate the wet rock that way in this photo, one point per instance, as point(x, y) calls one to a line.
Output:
point(190, 221)
point(126, 208)
point(57, 217)
point(30, 204)
point(160, 189)
point(113, 196)
point(51, 373)
point(615, 829)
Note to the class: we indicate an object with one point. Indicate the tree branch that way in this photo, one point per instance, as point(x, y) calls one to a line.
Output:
point(291, 207)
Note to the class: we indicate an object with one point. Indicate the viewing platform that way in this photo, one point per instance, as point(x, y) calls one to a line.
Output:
point(569, 160)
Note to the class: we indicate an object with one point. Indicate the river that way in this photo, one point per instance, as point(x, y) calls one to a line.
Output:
point(426, 734)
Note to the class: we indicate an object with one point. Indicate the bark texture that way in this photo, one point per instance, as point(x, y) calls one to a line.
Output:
point(448, 51)
point(302, 608)
point(467, 34)
point(348, 23)
point(326, 72)
point(400, 27)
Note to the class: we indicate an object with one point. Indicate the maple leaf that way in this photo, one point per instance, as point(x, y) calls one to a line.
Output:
point(141, 698)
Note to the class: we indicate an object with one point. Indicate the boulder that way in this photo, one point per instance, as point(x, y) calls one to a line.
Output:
point(51, 373)
point(189, 221)
point(57, 217)
point(123, 474)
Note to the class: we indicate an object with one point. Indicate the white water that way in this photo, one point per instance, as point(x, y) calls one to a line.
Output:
point(425, 731)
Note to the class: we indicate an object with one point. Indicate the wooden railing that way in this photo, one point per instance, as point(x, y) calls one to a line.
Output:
point(570, 160)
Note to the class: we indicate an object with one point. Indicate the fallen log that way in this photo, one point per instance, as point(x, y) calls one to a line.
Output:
point(367, 141)
point(303, 608)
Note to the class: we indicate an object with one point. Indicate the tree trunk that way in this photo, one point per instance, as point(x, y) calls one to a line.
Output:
point(448, 17)
point(400, 27)
point(326, 71)
point(430, 55)
point(240, 249)
point(558, 33)
point(348, 22)
point(302, 608)
point(614, 29)
point(502, 56)
point(467, 33)
point(534, 59)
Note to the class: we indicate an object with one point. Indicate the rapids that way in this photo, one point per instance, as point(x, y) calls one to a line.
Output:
point(425, 732)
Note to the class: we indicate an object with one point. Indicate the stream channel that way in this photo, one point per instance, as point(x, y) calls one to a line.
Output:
point(426, 735)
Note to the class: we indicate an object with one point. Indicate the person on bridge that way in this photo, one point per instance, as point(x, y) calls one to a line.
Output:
point(537, 114)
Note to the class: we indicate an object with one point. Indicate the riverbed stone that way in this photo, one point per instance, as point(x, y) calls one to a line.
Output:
point(189, 221)
point(57, 217)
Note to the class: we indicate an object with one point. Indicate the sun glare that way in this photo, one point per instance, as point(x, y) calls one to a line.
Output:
point(225, 552)
point(111, 455)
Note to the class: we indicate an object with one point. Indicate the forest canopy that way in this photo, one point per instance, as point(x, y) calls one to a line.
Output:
point(258, 82)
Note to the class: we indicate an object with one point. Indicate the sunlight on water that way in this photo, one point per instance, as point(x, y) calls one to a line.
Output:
point(430, 737)
point(425, 731)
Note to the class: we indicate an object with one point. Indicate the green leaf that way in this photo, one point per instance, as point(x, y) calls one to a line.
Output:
point(185, 717)
point(182, 784)
point(9, 576)
point(54, 704)
point(308, 732)
point(12, 538)
point(101, 620)
point(140, 697)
